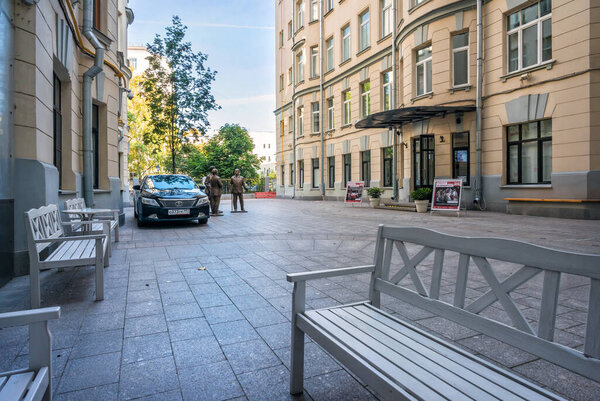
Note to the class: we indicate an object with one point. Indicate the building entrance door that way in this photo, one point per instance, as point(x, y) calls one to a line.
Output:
point(423, 161)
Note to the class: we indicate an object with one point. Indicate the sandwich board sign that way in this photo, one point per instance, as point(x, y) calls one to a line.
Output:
point(446, 195)
point(354, 191)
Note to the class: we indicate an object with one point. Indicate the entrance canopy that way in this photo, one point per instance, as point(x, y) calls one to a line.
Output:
point(397, 117)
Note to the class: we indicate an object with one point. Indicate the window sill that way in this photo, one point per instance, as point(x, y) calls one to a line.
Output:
point(328, 12)
point(424, 96)
point(313, 22)
point(102, 38)
point(389, 35)
point(101, 191)
point(346, 126)
point(299, 136)
point(413, 8)
point(297, 31)
point(346, 61)
point(462, 88)
point(313, 78)
point(366, 49)
point(546, 64)
point(329, 72)
point(528, 186)
point(315, 134)
point(330, 131)
point(298, 84)
point(66, 192)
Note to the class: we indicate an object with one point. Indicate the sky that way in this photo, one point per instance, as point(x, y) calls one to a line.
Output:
point(239, 38)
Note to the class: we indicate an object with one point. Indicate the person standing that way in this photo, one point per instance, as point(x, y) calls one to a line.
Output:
point(238, 185)
point(216, 185)
point(206, 183)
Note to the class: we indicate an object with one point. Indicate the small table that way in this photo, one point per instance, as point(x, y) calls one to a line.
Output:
point(87, 214)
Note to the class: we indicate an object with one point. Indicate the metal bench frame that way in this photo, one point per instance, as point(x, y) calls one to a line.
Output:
point(34, 383)
point(534, 260)
point(44, 227)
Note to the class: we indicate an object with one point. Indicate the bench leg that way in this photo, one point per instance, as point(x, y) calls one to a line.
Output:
point(297, 351)
point(40, 352)
point(99, 270)
point(34, 284)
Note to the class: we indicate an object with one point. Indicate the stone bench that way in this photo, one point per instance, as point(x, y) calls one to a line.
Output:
point(402, 362)
point(35, 382)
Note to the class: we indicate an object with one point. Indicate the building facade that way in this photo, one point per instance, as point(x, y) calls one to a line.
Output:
point(341, 61)
point(264, 146)
point(46, 58)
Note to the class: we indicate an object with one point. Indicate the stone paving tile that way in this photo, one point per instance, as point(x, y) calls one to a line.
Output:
point(212, 382)
point(249, 356)
point(174, 395)
point(269, 384)
point(139, 326)
point(90, 371)
point(188, 329)
point(138, 309)
point(102, 322)
point(265, 316)
point(316, 360)
point(209, 300)
point(222, 314)
point(178, 298)
point(497, 350)
point(148, 378)
point(234, 332)
point(336, 386)
point(183, 311)
point(152, 346)
point(97, 343)
point(99, 393)
point(197, 351)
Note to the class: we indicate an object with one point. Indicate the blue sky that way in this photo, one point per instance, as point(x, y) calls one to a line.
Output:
point(239, 38)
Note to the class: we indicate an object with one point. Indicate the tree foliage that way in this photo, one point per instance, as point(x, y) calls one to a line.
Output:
point(177, 89)
point(231, 148)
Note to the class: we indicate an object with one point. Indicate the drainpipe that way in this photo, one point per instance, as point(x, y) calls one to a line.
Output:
point(393, 107)
point(293, 172)
point(321, 120)
point(478, 200)
point(88, 76)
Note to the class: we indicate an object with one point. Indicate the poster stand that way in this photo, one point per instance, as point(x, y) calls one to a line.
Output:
point(447, 196)
point(354, 191)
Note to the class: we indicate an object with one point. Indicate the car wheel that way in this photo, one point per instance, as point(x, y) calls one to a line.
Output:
point(135, 212)
point(203, 221)
point(140, 222)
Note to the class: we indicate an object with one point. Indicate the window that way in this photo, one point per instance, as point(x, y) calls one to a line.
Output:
point(460, 157)
point(95, 148)
point(331, 171)
point(281, 38)
point(364, 30)
point(314, 61)
point(387, 90)
point(264, 145)
point(300, 131)
point(529, 153)
point(386, 17)
point(529, 32)
point(290, 30)
point(315, 118)
point(388, 158)
point(315, 173)
point(282, 179)
point(347, 107)
point(365, 167)
point(347, 169)
point(268, 146)
point(330, 114)
point(281, 82)
point(414, 3)
point(365, 98)
point(330, 59)
point(300, 66)
point(301, 174)
point(345, 43)
point(290, 124)
point(57, 120)
point(314, 10)
point(281, 127)
point(132, 63)
point(423, 68)
point(299, 14)
point(329, 5)
point(460, 59)
point(291, 174)
point(290, 76)
point(97, 14)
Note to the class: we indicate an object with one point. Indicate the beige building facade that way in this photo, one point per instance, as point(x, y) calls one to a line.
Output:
point(45, 52)
point(540, 135)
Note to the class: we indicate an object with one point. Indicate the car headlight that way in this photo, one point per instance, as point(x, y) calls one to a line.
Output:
point(202, 201)
point(149, 201)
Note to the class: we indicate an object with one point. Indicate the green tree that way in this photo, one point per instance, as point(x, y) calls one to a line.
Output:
point(229, 149)
point(177, 89)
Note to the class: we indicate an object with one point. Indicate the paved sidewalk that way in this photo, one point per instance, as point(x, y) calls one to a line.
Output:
point(203, 312)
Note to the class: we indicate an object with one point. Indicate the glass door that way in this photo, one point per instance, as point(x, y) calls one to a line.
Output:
point(423, 161)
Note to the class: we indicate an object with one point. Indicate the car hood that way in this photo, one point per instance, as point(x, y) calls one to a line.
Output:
point(173, 193)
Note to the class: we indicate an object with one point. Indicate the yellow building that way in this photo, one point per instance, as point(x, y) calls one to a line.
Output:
point(539, 137)
point(63, 94)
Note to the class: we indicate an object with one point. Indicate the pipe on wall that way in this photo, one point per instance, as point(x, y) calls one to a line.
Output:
point(321, 119)
point(478, 199)
point(393, 106)
point(88, 76)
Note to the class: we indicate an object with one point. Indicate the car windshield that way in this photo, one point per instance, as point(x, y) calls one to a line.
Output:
point(163, 182)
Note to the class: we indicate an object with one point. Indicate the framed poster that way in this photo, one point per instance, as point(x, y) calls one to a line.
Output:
point(446, 195)
point(354, 191)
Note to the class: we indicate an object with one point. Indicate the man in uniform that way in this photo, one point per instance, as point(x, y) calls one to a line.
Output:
point(215, 184)
point(237, 190)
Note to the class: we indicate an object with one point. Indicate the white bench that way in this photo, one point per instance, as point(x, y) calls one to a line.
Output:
point(402, 362)
point(79, 203)
point(35, 382)
point(50, 248)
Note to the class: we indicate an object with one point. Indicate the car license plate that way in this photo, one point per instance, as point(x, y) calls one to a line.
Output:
point(178, 212)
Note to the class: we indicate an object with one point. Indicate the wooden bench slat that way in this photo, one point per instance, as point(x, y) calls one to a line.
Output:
point(592, 338)
point(38, 386)
point(400, 377)
point(493, 373)
point(62, 248)
point(3, 380)
point(16, 386)
point(89, 250)
point(430, 371)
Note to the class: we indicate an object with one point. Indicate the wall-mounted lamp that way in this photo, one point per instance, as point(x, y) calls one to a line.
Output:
point(442, 140)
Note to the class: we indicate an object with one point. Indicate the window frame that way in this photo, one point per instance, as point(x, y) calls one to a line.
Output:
point(424, 64)
point(329, 5)
point(96, 144)
point(386, 9)
point(290, 76)
point(314, 10)
point(315, 121)
point(361, 28)
point(330, 54)
point(458, 50)
point(540, 155)
point(386, 87)
point(300, 60)
point(387, 164)
point(365, 99)
point(314, 61)
point(315, 172)
point(331, 171)
point(347, 160)
point(281, 82)
point(365, 167)
point(300, 114)
point(57, 126)
point(346, 49)
point(290, 29)
point(347, 108)
point(291, 174)
point(301, 173)
point(299, 14)
point(330, 114)
point(282, 179)
point(519, 31)
point(455, 149)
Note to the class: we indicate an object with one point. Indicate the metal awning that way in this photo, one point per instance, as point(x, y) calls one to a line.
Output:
point(397, 117)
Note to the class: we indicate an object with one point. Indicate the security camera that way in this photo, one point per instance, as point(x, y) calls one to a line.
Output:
point(129, 95)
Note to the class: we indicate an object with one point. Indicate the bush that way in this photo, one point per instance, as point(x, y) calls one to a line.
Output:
point(374, 192)
point(421, 194)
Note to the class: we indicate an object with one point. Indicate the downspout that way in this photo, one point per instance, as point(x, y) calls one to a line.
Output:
point(321, 100)
point(393, 107)
point(478, 199)
point(293, 172)
point(88, 76)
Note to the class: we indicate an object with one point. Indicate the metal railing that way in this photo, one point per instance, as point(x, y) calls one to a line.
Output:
point(253, 184)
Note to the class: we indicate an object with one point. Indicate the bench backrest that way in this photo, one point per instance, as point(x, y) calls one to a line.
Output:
point(43, 223)
point(475, 255)
point(75, 203)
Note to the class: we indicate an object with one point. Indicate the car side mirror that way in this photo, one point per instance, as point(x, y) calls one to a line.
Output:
point(202, 187)
point(136, 187)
